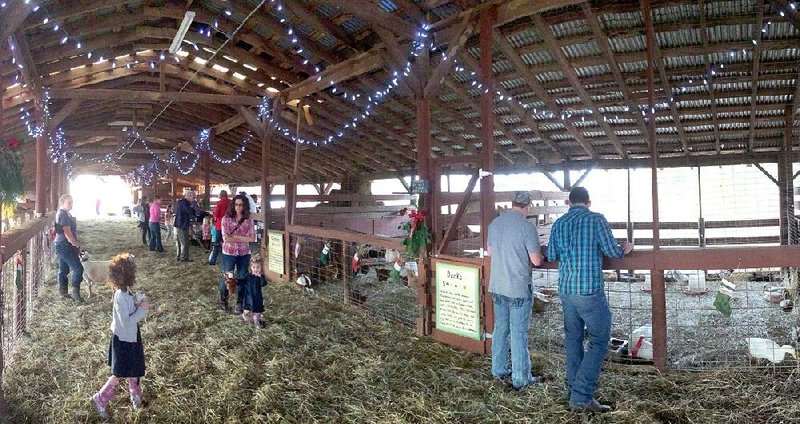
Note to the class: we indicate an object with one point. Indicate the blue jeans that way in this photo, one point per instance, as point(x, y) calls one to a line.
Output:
point(512, 317)
point(69, 260)
point(589, 312)
point(155, 237)
point(241, 263)
point(216, 247)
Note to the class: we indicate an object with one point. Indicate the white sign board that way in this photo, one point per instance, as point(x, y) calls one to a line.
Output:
point(275, 251)
point(458, 300)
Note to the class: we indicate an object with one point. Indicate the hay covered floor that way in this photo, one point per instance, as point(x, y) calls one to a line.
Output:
point(319, 361)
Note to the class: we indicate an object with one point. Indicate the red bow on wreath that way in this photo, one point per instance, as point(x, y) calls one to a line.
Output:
point(13, 143)
point(416, 217)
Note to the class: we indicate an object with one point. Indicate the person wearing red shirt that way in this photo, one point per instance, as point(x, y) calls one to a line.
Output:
point(219, 212)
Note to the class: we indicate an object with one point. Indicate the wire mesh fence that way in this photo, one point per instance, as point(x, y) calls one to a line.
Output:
point(377, 278)
point(754, 325)
point(23, 273)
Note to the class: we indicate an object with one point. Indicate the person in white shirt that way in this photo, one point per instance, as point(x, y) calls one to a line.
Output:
point(126, 351)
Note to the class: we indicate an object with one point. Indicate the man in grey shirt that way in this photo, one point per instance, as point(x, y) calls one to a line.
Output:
point(513, 247)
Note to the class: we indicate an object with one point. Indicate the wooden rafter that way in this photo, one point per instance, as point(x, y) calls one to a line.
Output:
point(371, 13)
point(755, 72)
point(558, 53)
point(12, 16)
point(65, 112)
point(602, 43)
point(526, 73)
point(666, 87)
point(711, 94)
point(152, 96)
point(436, 78)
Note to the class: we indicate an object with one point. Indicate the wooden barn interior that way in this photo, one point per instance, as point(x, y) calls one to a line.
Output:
point(171, 95)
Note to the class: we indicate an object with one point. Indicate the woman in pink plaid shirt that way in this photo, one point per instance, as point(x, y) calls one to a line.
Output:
point(237, 234)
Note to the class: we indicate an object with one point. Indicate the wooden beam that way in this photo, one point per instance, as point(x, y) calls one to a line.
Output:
point(376, 16)
point(665, 85)
point(437, 77)
point(553, 179)
point(398, 59)
point(229, 124)
point(84, 133)
point(765, 172)
point(525, 72)
point(582, 177)
point(462, 207)
point(754, 73)
point(151, 96)
point(12, 16)
point(603, 44)
point(64, 112)
point(555, 49)
point(334, 74)
point(711, 94)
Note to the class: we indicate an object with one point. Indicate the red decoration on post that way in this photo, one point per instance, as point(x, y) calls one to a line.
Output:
point(13, 143)
point(416, 216)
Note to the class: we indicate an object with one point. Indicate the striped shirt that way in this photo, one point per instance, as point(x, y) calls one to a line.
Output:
point(578, 241)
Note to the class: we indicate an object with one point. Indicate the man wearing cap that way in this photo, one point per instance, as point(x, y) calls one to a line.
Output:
point(578, 240)
point(513, 245)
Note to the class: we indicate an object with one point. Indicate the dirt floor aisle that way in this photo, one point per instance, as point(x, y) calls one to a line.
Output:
point(318, 361)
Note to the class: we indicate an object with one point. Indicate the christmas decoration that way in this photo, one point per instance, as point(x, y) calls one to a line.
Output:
point(723, 300)
point(418, 235)
point(12, 181)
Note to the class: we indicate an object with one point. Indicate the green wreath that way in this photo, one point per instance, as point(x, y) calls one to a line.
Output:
point(417, 234)
point(12, 181)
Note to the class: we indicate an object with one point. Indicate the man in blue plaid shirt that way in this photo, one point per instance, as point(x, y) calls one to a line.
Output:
point(578, 241)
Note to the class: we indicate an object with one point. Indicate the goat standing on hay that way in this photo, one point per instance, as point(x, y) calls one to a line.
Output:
point(94, 271)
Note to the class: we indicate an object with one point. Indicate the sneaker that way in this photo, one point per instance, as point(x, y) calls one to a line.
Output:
point(535, 380)
point(136, 401)
point(593, 406)
point(101, 410)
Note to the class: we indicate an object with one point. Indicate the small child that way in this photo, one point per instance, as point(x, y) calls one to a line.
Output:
point(253, 298)
point(169, 221)
point(207, 232)
point(126, 351)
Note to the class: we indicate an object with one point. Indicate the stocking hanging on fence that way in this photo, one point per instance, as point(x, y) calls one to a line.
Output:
point(723, 300)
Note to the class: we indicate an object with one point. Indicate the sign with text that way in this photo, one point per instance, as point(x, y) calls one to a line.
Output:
point(275, 259)
point(458, 300)
point(419, 187)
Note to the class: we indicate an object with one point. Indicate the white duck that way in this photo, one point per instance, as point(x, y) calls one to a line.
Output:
point(769, 350)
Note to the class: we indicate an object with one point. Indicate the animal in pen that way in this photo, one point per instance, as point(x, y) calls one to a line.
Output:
point(767, 349)
point(93, 271)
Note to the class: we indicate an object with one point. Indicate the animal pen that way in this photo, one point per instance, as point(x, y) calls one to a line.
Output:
point(423, 91)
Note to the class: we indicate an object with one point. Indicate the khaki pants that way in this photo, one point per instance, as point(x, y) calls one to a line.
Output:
point(182, 240)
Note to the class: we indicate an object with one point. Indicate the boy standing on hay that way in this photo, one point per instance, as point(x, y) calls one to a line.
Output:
point(125, 351)
point(578, 240)
point(513, 244)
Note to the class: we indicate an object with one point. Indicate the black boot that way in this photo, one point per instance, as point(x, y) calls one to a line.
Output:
point(240, 297)
point(223, 301)
point(62, 290)
point(76, 296)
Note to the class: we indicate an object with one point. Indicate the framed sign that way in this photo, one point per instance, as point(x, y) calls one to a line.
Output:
point(275, 251)
point(458, 308)
point(419, 187)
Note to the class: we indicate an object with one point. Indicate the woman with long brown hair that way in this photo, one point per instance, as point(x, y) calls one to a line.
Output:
point(238, 232)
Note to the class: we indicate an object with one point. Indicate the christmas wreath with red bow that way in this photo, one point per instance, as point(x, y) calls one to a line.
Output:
point(417, 234)
point(12, 182)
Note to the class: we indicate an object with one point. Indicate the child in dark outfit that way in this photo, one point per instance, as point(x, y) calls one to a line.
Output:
point(125, 351)
point(253, 298)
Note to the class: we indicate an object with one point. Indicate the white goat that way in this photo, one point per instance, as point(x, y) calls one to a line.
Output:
point(93, 271)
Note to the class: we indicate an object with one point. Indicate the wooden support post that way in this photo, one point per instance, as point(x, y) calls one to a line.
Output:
point(658, 294)
point(54, 170)
point(701, 222)
point(207, 173)
point(487, 20)
point(41, 163)
point(788, 154)
point(424, 171)
point(346, 271)
point(783, 195)
point(567, 179)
